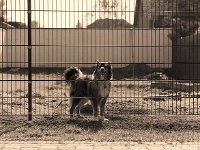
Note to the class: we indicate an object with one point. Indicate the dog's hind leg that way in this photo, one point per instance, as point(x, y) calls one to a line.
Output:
point(78, 110)
point(73, 103)
point(79, 107)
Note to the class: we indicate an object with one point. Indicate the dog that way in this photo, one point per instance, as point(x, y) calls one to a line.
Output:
point(95, 88)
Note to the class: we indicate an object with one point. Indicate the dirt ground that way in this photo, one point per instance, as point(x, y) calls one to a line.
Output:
point(118, 128)
point(136, 111)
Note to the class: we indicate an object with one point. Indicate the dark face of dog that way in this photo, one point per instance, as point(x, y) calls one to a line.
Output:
point(103, 71)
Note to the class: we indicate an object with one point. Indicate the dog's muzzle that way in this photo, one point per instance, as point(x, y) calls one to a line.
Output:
point(102, 70)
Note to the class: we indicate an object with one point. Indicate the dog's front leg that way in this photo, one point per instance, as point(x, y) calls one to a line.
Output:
point(78, 110)
point(95, 104)
point(102, 109)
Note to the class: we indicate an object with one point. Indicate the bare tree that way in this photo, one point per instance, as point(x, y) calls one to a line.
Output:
point(2, 11)
point(108, 9)
point(79, 25)
point(35, 24)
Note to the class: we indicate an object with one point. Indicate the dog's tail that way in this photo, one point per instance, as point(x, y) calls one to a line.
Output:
point(71, 74)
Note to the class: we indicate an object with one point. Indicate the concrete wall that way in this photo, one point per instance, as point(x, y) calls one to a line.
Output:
point(63, 47)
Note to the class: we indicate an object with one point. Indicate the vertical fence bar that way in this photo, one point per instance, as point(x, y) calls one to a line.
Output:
point(29, 63)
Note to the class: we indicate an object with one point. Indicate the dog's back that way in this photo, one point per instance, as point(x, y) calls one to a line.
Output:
point(80, 87)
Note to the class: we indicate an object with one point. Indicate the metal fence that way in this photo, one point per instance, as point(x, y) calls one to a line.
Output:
point(151, 44)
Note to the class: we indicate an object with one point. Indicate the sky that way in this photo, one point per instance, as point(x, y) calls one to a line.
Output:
point(63, 13)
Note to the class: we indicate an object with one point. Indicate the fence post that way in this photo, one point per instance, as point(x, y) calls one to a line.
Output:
point(29, 63)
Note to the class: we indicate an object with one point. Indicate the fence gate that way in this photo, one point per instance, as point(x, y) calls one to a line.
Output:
point(151, 45)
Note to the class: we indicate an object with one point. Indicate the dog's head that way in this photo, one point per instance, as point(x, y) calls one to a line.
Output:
point(103, 71)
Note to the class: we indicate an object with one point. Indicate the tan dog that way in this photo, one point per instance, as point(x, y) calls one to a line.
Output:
point(96, 88)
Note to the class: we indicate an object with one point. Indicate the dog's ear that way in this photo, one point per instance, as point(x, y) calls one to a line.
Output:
point(109, 65)
point(97, 64)
point(110, 73)
point(96, 67)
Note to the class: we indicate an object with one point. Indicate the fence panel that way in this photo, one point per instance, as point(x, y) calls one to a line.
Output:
point(151, 45)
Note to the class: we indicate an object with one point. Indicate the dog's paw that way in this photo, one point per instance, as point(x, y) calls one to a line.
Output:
point(71, 120)
point(105, 119)
point(102, 119)
point(80, 116)
point(71, 117)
